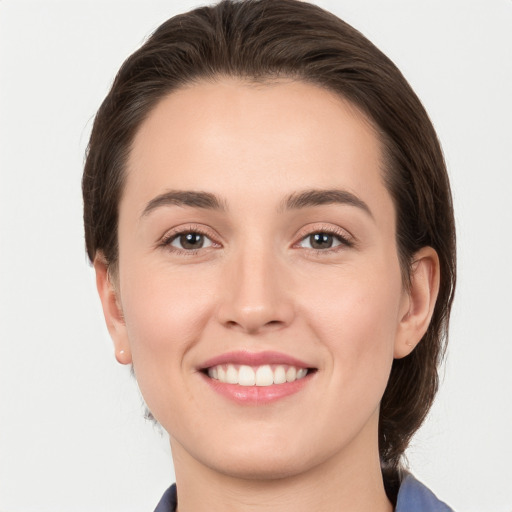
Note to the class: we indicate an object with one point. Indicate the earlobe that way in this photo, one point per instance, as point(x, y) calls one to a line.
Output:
point(112, 310)
point(420, 301)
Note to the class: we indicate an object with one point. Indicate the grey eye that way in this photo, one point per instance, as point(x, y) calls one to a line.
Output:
point(320, 241)
point(191, 241)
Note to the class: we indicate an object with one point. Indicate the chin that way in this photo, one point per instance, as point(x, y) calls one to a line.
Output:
point(275, 459)
point(264, 469)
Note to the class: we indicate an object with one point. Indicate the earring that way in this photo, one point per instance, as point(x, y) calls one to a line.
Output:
point(121, 356)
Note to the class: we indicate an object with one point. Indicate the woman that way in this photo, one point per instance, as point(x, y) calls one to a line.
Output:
point(270, 220)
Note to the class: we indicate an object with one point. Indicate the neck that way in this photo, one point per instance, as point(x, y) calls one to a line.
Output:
point(350, 481)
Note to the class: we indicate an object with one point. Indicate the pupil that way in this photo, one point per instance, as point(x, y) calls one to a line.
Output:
point(191, 241)
point(321, 241)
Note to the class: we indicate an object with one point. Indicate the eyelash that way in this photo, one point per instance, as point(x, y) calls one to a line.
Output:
point(340, 235)
point(346, 241)
point(169, 238)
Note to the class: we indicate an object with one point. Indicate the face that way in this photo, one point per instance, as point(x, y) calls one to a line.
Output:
point(259, 289)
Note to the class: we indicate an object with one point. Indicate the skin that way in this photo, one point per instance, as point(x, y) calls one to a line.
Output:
point(257, 285)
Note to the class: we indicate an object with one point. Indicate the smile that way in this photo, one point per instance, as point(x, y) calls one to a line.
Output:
point(256, 378)
point(264, 375)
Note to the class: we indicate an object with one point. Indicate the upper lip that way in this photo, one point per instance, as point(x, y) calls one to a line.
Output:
point(254, 359)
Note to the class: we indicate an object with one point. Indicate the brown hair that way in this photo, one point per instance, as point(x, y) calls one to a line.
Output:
point(261, 40)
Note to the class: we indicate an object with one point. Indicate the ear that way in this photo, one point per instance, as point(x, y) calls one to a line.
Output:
point(112, 310)
point(419, 301)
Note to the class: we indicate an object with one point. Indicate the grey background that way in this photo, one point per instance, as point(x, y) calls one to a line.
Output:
point(71, 419)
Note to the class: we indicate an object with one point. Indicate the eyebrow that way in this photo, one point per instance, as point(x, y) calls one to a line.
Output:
point(191, 198)
point(320, 197)
point(295, 201)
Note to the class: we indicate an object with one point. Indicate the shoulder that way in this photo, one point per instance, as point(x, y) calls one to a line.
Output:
point(413, 496)
point(169, 500)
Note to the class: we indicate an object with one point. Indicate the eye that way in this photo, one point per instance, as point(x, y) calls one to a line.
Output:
point(189, 241)
point(323, 240)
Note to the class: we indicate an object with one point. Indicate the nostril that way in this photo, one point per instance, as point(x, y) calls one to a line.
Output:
point(254, 326)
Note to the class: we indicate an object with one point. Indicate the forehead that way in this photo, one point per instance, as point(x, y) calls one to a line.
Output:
point(232, 135)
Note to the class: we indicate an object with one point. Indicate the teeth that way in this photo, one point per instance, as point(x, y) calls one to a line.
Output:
point(264, 375)
point(246, 376)
point(301, 373)
point(291, 374)
point(279, 375)
point(231, 375)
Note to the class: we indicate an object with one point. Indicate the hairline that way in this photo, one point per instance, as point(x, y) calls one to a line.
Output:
point(269, 80)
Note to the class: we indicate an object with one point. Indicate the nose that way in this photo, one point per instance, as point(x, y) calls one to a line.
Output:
point(256, 297)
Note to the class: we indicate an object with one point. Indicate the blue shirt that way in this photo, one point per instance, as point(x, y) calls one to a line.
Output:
point(413, 496)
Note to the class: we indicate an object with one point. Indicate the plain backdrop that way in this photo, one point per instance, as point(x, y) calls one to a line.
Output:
point(72, 433)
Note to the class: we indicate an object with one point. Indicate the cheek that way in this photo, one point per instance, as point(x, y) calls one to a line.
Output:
point(356, 317)
point(164, 313)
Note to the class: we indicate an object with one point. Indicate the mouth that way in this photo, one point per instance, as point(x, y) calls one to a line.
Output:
point(262, 375)
point(256, 377)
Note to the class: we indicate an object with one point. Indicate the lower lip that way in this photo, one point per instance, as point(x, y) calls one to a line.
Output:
point(255, 395)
